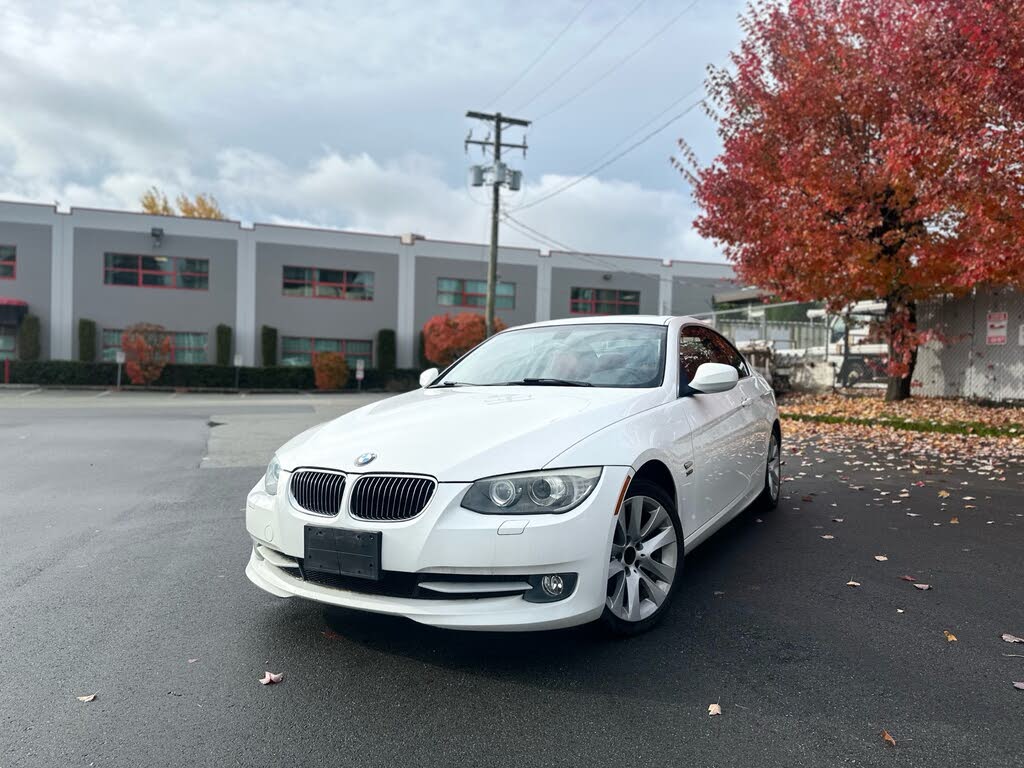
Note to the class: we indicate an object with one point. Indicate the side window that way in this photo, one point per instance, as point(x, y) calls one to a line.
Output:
point(726, 353)
point(699, 345)
point(693, 352)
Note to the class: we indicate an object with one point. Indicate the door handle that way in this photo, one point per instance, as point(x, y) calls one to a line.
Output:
point(746, 401)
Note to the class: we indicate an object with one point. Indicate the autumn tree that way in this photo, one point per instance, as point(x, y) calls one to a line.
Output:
point(147, 349)
point(871, 150)
point(202, 206)
point(330, 371)
point(446, 338)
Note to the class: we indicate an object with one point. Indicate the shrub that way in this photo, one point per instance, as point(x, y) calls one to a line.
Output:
point(446, 338)
point(86, 340)
point(386, 355)
point(28, 338)
point(147, 349)
point(330, 370)
point(268, 345)
point(224, 339)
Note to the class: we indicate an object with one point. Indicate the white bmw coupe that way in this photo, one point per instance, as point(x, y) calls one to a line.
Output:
point(554, 475)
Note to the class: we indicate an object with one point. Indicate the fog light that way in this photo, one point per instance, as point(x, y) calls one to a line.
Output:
point(552, 585)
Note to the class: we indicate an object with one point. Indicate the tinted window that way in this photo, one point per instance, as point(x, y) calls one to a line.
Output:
point(699, 345)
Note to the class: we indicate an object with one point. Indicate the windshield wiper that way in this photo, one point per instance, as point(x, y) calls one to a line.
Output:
point(450, 383)
point(551, 383)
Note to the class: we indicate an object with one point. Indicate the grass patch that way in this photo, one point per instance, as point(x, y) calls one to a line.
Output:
point(949, 428)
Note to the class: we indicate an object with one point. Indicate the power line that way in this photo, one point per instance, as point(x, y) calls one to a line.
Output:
point(620, 62)
point(539, 237)
point(600, 167)
point(582, 58)
point(542, 54)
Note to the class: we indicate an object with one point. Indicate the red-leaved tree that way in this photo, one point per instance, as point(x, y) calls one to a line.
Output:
point(447, 337)
point(872, 150)
point(147, 349)
point(330, 370)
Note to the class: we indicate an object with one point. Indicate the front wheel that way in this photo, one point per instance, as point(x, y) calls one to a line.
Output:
point(645, 561)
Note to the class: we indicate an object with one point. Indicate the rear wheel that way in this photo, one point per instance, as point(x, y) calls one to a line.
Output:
point(769, 498)
point(645, 561)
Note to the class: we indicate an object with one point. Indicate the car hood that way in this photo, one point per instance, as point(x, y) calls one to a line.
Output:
point(461, 434)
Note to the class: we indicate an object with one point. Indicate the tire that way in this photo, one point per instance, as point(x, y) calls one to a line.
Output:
point(654, 573)
point(769, 498)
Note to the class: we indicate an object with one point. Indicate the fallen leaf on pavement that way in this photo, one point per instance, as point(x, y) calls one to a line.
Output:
point(837, 519)
point(270, 678)
point(923, 586)
point(887, 738)
point(908, 578)
point(881, 558)
point(1012, 638)
point(1019, 686)
point(852, 583)
point(714, 709)
point(950, 637)
point(899, 610)
point(192, 661)
point(90, 697)
point(828, 536)
point(954, 520)
point(943, 494)
point(913, 514)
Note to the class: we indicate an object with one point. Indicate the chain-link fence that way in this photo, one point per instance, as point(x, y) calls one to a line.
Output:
point(980, 352)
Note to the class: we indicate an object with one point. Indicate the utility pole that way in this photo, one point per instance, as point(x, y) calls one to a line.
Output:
point(498, 174)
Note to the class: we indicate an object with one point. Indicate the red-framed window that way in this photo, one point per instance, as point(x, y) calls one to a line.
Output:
point(8, 262)
point(186, 346)
point(317, 283)
point(299, 350)
point(604, 301)
point(172, 272)
point(456, 292)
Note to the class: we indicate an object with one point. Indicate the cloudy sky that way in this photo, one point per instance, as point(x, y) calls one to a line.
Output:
point(351, 113)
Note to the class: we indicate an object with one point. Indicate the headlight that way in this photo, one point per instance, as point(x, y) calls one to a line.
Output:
point(532, 493)
point(273, 473)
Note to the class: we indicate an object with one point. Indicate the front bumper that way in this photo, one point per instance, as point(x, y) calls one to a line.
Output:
point(447, 539)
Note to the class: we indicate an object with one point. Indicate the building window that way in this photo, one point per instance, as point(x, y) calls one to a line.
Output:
point(455, 292)
point(156, 271)
point(327, 283)
point(8, 262)
point(604, 301)
point(8, 342)
point(186, 347)
point(299, 350)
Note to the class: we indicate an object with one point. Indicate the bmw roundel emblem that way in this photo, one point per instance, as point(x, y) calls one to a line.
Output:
point(365, 458)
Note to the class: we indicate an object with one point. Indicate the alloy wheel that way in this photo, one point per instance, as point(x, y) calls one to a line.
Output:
point(644, 559)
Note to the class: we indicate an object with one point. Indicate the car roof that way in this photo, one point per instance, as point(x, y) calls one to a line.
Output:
point(614, 319)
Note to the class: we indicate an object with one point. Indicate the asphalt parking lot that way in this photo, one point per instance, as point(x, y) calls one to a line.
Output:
point(122, 546)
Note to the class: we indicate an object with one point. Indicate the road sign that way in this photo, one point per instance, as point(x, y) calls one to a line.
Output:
point(119, 357)
point(360, 370)
point(238, 360)
point(995, 331)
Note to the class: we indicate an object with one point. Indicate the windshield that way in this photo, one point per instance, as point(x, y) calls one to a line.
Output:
point(595, 354)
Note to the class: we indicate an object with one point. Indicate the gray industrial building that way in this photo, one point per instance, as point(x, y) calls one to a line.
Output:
point(321, 289)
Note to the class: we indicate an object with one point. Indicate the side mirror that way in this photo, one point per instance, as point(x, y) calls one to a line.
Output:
point(714, 377)
point(428, 376)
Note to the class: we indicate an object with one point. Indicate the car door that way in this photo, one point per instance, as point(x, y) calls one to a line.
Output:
point(752, 440)
point(718, 427)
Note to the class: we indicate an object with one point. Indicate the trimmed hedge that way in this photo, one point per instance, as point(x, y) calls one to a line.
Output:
point(224, 344)
point(386, 353)
point(86, 340)
point(28, 338)
point(268, 346)
point(76, 373)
